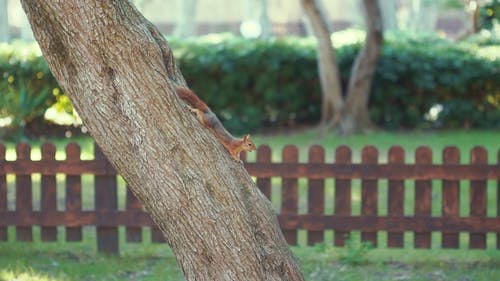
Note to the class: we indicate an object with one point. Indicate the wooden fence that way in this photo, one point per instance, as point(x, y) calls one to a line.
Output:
point(317, 198)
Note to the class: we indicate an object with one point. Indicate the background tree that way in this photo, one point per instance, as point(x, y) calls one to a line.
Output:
point(186, 23)
point(265, 22)
point(350, 115)
point(423, 15)
point(388, 9)
point(121, 77)
point(4, 21)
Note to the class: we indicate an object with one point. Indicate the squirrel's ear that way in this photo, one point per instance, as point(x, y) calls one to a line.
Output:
point(246, 137)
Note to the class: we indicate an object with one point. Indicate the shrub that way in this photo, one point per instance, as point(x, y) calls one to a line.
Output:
point(26, 86)
point(253, 84)
point(262, 83)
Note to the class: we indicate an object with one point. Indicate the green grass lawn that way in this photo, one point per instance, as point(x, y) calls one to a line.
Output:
point(68, 262)
point(147, 261)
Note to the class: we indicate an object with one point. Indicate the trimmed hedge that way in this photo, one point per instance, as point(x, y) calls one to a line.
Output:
point(252, 84)
point(261, 83)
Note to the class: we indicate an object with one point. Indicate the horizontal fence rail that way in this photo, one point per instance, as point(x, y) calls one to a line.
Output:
point(385, 203)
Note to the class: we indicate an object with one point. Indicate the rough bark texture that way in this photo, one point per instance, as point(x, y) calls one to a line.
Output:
point(332, 101)
point(355, 117)
point(121, 77)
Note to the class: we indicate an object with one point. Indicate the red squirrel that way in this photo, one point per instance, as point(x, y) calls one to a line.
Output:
point(206, 117)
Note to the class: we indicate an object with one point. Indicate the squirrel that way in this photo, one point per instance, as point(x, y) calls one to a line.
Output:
point(208, 119)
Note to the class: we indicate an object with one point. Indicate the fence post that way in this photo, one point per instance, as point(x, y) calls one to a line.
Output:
point(498, 199)
point(396, 197)
point(24, 201)
point(342, 193)
point(451, 197)
point(316, 194)
point(48, 196)
point(478, 198)
point(3, 194)
point(73, 192)
point(423, 197)
point(369, 193)
point(289, 192)
point(105, 200)
point(264, 157)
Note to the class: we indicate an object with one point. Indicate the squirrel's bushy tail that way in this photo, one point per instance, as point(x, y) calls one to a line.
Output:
point(192, 99)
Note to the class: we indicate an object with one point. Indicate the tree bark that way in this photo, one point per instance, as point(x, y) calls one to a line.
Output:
point(355, 116)
point(121, 77)
point(332, 101)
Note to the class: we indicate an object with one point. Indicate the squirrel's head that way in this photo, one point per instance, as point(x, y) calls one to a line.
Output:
point(248, 144)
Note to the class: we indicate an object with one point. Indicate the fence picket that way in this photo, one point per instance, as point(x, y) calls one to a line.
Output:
point(423, 198)
point(107, 218)
point(289, 192)
point(24, 201)
point(369, 193)
point(451, 197)
point(264, 157)
point(395, 200)
point(49, 193)
point(73, 192)
point(342, 202)
point(316, 194)
point(3, 194)
point(105, 199)
point(498, 199)
point(478, 198)
point(157, 235)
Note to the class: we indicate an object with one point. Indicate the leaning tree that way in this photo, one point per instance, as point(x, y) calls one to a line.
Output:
point(121, 77)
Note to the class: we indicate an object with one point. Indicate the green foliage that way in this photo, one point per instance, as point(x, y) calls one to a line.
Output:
point(355, 251)
point(253, 84)
point(489, 14)
point(26, 86)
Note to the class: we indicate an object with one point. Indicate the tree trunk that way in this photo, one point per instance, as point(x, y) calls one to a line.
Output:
point(423, 15)
point(121, 77)
point(186, 23)
point(4, 22)
point(388, 9)
point(472, 27)
point(265, 23)
point(332, 101)
point(355, 117)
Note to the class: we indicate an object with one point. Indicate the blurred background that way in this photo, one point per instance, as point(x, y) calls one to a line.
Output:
point(254, 62)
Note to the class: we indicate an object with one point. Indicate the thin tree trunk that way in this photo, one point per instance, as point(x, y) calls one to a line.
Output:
point(355, 117)
point(121, 77)
point(186, 23)
point(388, 9)
point(4, 22)
point(265, 23)
point(332, 101)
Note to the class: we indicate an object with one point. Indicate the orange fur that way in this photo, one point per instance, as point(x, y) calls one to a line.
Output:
point(206, 117)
